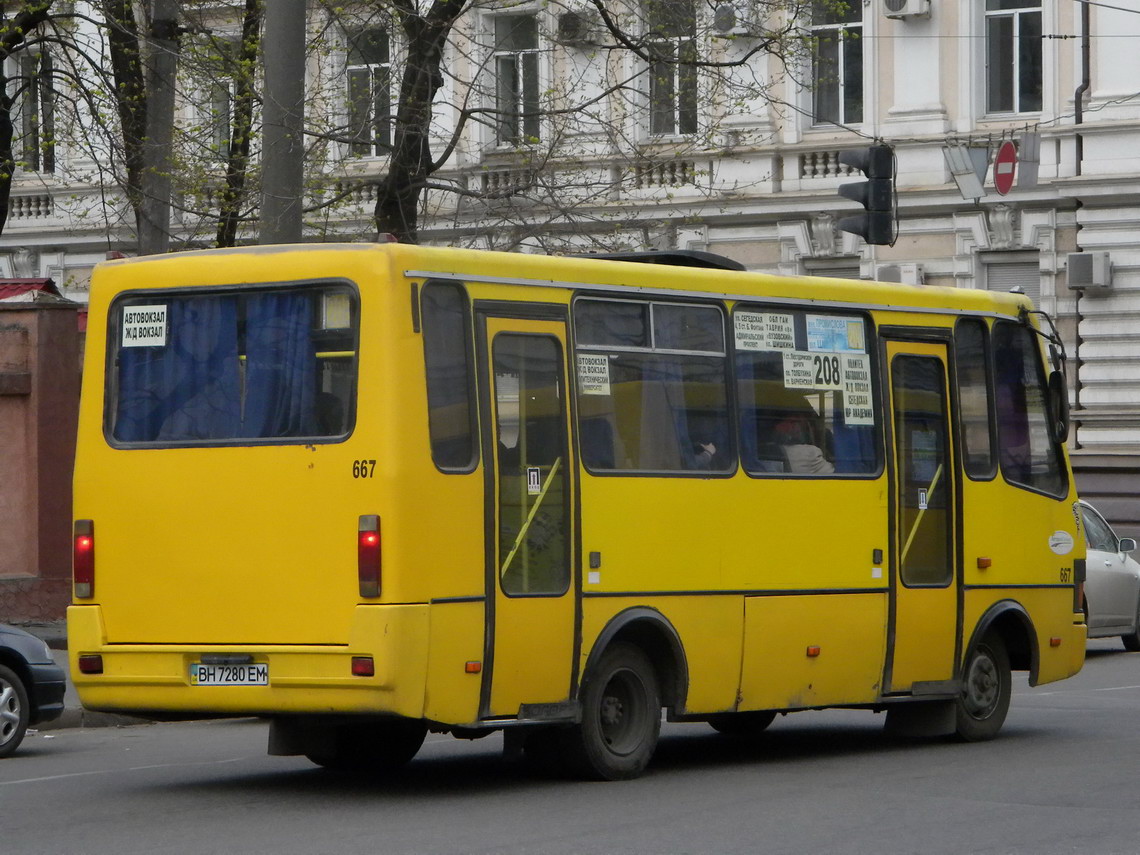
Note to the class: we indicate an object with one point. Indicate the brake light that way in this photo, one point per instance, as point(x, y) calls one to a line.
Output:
point(83, 558)
point(90, 663)
point(368, 555)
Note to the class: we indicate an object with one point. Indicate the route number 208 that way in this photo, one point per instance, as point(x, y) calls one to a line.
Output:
point(827, 372)
point(363, 468)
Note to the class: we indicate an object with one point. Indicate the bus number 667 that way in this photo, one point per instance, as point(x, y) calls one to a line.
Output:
point(363, 468)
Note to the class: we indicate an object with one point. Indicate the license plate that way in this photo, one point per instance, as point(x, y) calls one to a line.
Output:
point(202, 674)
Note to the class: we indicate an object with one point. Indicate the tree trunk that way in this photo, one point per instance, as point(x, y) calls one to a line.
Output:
point(237, 165)
point(399, 192)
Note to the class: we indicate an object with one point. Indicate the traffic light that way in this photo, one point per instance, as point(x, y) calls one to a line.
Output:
point(877, 225)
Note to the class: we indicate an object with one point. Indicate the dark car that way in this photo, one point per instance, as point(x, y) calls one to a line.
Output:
point(31, 686)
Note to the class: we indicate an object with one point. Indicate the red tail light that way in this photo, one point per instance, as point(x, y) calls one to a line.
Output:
point(368, 555)
point(83, 558)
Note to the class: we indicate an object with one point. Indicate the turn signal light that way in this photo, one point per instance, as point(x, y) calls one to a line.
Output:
point(368, 555)
point(83, 558)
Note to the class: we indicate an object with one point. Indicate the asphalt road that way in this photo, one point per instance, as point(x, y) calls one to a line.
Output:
point(1062, 778)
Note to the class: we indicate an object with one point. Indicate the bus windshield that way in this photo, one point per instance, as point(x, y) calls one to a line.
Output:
point(235, 366)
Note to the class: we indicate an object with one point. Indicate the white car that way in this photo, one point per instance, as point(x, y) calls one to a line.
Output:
point(1112, 588)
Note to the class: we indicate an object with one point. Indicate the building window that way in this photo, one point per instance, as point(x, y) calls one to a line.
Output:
point(1013, 56)
point(672, 45)
point(837, 68)
point(36, 97)
point(369, 92)
point(221, 60)
point(516, 79)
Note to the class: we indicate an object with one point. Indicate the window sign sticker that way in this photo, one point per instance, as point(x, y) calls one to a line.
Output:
point(748, 330)
point(857, 406)
point(593, 374)
point(827, 371)
point(764, 331)
point(780, 331)
point(835, 334)
point(798, 370)
point(144, 326)
point(533, 481)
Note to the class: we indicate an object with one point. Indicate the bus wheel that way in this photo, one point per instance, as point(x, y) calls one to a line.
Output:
point(986, 689)
point(373, 747)
point(621, 717)
point(742, 723)
point(1132, 640)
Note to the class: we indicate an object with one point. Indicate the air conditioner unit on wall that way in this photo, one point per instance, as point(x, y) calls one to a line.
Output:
point(906, 8)
point(1089, 271)
point(736, 18)
point(580, 27)
point(906, 272)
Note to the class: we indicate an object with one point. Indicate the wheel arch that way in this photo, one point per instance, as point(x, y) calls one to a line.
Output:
point(652, 632)
point(1009, 620)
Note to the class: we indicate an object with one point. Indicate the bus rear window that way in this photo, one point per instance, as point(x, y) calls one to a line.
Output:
point(221, 367)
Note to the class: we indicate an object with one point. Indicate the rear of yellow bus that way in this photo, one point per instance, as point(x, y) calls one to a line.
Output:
point(231, 486)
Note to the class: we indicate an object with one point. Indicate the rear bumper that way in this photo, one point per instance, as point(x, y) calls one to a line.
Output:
point(144, 679)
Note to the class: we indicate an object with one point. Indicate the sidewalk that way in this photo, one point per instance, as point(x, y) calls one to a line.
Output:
point(55, 634)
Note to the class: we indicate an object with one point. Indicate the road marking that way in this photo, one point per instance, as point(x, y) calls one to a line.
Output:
point(1082, 691)
point(113, 771)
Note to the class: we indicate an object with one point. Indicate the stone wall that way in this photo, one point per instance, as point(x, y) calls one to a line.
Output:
point(39, 406)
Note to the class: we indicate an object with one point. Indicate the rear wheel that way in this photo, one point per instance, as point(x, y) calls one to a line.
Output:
point(1132, 640)
point(372, 747)
point(742, 723)
point(987, 685)
point(621, 717)
point(14, 711)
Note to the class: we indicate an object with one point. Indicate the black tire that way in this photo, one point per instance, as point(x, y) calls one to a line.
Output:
point(987, 686)
point(621, 717)
point(373, 747)
point(14, 711)
point(1132, 640)
point(742, 723)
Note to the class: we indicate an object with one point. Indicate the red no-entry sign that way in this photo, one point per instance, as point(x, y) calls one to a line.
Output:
point(1005, 164)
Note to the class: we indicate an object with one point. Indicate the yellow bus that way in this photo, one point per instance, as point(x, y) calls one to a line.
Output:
point(371, 491)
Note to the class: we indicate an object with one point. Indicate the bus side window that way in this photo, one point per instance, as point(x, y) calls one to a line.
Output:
point(1029, 456)
point(821, 426)
point(974, 397)
point(652, 395)
point(447, 361)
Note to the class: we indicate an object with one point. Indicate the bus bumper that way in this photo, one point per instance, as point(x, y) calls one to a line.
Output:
point(156, 679)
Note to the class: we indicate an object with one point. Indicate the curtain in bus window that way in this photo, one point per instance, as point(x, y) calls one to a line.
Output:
point(189, 388)
point(281, 367)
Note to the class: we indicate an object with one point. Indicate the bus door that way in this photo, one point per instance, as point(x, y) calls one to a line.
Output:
point(924, 617)
point(531, 585)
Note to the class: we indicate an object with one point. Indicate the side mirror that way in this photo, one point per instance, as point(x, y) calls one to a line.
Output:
point(1059, 406)
point(1127, 544)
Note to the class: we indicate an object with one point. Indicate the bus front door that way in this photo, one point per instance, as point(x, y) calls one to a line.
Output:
point(924, 626)
point(531, 589)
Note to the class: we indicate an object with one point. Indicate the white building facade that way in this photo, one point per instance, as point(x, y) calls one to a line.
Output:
point(573, 140)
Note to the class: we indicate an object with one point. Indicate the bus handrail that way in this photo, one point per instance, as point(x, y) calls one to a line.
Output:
point(529, 519)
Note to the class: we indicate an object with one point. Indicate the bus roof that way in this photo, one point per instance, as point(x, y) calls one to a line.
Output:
point(413, 262)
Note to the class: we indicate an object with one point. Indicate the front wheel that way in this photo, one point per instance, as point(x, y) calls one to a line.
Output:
point(987, 686)
point(1132, 639)
point(14, 711)
point(373, 747)
point(621, 717)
